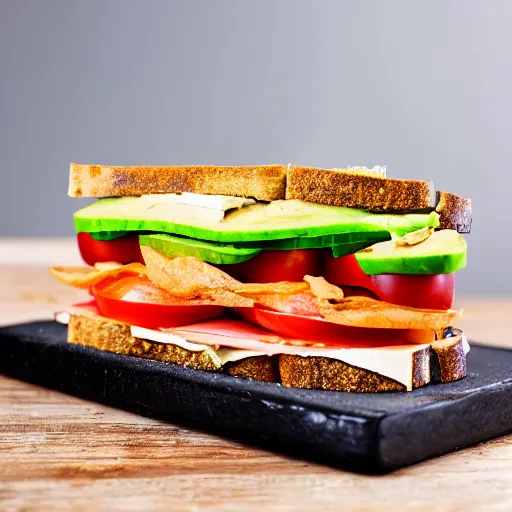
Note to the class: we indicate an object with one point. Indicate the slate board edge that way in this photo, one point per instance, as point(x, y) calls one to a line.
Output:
point(476, 417)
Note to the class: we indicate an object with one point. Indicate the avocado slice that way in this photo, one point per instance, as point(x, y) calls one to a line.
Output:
point(342, 240)
point(443, 252)
point(277, 220)
point(221, 254)
point(218, 254)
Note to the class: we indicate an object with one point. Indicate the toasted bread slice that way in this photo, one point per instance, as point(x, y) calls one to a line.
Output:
point(338, 187)
point(455, 212)
point(265, 183)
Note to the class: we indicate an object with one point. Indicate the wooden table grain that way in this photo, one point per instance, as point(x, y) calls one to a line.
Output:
point(58, 452)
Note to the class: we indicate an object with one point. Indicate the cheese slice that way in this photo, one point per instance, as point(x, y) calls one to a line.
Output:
point(212, 207)
point(214, 202)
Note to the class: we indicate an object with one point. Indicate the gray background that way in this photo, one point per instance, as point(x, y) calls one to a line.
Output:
point(422, 86)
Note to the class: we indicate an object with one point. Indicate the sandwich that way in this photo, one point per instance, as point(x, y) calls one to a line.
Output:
point(334, 279)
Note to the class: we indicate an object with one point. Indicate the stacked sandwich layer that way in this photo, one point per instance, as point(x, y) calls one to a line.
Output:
point(332, 279)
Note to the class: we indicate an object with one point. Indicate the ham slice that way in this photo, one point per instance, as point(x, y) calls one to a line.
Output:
point(239, 334)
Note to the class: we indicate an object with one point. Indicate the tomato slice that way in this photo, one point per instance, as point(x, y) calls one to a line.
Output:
point(320, 331)
point(124, 250)
point(136, 301)
point(418, 291)
point(435, 291)
point(273, 266)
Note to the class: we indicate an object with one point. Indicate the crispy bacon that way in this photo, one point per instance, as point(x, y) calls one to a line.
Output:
point(285, 288)
point(367, 312)
point(85, 277)
point(191, 278)
point(185, 276)
point(314, 297)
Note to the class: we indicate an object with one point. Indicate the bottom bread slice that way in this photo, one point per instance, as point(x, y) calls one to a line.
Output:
point(313, 372)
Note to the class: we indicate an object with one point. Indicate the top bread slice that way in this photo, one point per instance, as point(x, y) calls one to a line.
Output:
point(337, 187)
point(264, 182)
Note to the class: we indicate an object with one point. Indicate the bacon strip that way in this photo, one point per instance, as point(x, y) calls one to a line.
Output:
point(366, 312)
point(316, 297)
point(185, 276)
point(85, 277)
point(191, 278)
point(188, 276)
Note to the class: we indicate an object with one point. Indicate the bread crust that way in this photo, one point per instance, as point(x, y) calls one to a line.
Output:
point(354, 190)
point(264, 183)
point(449, 362)
point(455, 212)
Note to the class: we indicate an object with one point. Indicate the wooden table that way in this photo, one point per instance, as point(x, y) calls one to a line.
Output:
point(60, 452)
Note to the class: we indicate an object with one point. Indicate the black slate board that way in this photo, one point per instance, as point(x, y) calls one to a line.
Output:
point(365, 432)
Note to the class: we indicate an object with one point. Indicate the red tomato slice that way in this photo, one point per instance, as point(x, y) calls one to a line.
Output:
point(136, 301)
point(124, 250)
point(418, 291)
point(273, 266)
point(320, 331)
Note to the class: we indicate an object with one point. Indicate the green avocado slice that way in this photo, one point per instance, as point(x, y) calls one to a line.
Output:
point(221, 254)
point(277, 220)
point(443, 252)
point(218, 254)
point(320, 242)
point(339, 241)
